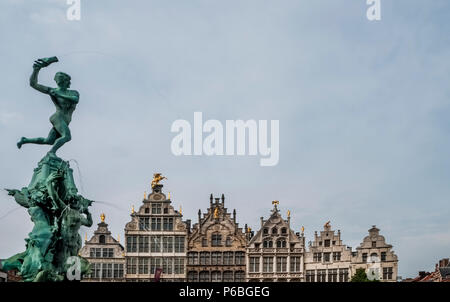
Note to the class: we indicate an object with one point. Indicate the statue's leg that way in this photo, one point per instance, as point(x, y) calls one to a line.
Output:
point(65, 136)
point(49, 140)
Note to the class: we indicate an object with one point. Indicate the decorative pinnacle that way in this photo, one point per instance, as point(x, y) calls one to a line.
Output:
point(288, 213)
point(275, 202)
point(132, 209)
point(168, 196)
point(102, 217)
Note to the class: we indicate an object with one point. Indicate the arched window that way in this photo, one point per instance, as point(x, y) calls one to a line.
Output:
point(284, 231)
point(281, 243)
point(102, 239)
point(204, 276)
point(274, 231)
point(266, 231)
point(216, 239)
point(216, 276)
point(267, 243)
point(192, 276)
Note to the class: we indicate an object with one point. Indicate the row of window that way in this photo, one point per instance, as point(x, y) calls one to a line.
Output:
point(216, 258)
point(157, 208)
point(101, 252)
point(268, 243)
point(274, 231)
point(216, 240)
point(317, 257)
point(374, 257)
point(216, 276)
point(148, 266)
point(268, 264)
point(155, 244)
point(156, 223)
point(331, 275)
point(106, 270)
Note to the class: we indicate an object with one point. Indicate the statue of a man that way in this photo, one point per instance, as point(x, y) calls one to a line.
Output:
point(65, 101)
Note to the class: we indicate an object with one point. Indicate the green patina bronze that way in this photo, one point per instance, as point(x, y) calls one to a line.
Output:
point(52, 199)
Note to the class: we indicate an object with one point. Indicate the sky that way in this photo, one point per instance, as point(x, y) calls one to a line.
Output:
point(362, 106)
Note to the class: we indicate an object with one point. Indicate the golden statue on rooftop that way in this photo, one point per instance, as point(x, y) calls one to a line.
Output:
point(216, 213)
point(327, 225)
point(156, 179)
point(102, 217)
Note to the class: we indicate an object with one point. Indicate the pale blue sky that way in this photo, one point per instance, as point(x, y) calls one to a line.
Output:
point(363, 110)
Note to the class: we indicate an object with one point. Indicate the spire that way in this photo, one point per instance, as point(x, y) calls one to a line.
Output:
point(223, 199)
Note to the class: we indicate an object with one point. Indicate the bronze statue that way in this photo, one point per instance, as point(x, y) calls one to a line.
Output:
point(65, 101)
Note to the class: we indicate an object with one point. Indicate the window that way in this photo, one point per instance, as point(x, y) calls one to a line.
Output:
point(336, 256)
point(383, 256)
point(131, 265)
point(326, 257)
point(334, 242)
point(333, 275)
point(143, 244)
point(317, 257)
point(274, 231)
point(364, 257)
point(147, 211)
point(108, 253)
point(320, 243)
point(281, 264)
point(283, 231)
point(387, 273)
point(192, 276)
point(327, 243)
point(204, 242)
point(102, 239)
point(168, 224)
point(118, 270)
point(166, 210)
point(374, 244)
point(228, 258)
point(95, 252)
point(178, 266)
point(310, 276)
point(179, 244)
point(374, 257)
point(154, 264)
point(295, 264)
point(216, 258)
point(168, 244)
point(228, 241)
point(144, 223)
point(227, 276)
point(205, 258)
point(167, 266)
point(268, 264)
point(193, 258)
point(216, 239)
point(204, 276)
point(321, 275)
point(266, 231)
point(107, 270)
point(281, 243)
point(343, 275)
point(156, 208)
point(216, 276)
point(155, 244)
point(143, 266)
point(254, 264)
point(132, 244)
point(96, 270)
point(239, 258)
point(267, 243)
point(156, 224)
point(239, 276)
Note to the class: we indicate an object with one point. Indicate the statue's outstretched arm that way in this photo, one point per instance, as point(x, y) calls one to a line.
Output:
point(34, 81)
point(88, 220)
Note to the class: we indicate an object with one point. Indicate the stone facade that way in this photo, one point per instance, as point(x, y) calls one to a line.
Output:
point(216, 246)
point(328, 259)
point(156, 240)
point(105, 254)
point(376, 257)
point(276, 252)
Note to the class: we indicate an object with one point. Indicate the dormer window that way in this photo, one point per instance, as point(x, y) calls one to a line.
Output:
point(216, 239)
point(102, 239)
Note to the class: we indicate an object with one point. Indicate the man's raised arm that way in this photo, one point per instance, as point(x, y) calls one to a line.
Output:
point(34, 80)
